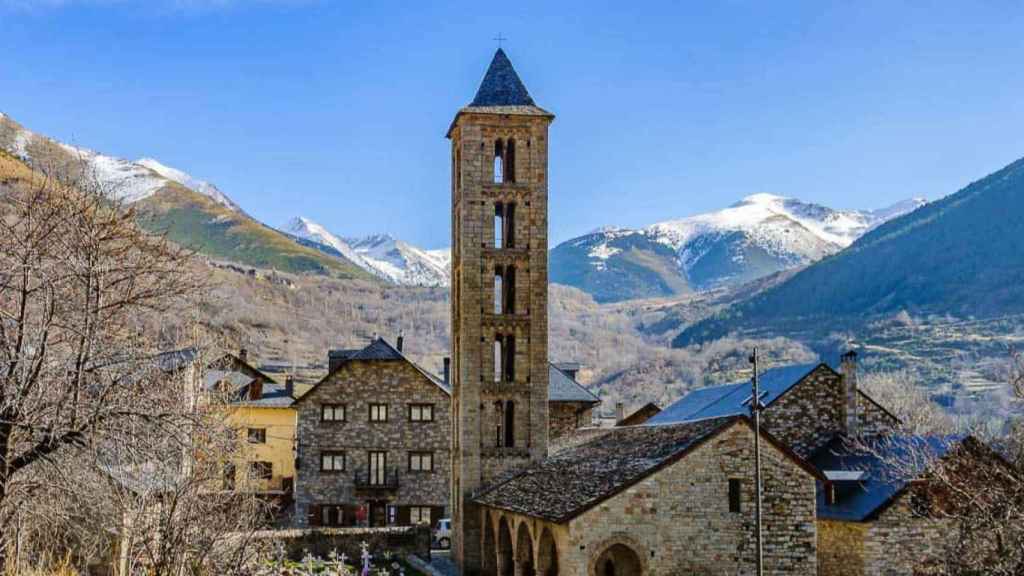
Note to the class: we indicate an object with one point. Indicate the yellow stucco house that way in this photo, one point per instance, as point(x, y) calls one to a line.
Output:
point(261, 411)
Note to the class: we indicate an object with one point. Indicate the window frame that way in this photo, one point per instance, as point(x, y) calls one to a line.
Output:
point(420, 455)
point(421, 406)
point(735, 495)
point(261, 466)
point(256, 435)
point(333, 454)
point(334, 409)
point(370, 412)
point(417, 511)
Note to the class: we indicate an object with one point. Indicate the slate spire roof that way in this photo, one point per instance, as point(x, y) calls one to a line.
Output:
point(501, 85)
point(501, 92)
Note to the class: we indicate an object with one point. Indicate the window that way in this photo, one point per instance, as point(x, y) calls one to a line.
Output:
point(504, 289)
point(419, 514)
point(261, 470)
point(229, 477)
point(332, 413)
point(509, 221)
point(257, 435)
point(378, 465)
point(499, 157)
point(499, 419)
point(421, 412)
point(499, 291)
point(510, 423)
point(504, 225)
point(509, 364)
point(378, 412)
point(504, 358)
point(332, 461)
point(499, 357)
point(499, 225)
point(421, 461)
point(734, 495)
point(509, 167)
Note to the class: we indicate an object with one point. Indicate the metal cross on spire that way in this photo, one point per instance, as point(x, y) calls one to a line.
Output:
point(500, 39)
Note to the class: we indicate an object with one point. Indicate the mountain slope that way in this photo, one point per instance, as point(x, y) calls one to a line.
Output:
point(191, 212)
point(961, 255)
point(380, 254)
point(758, 236)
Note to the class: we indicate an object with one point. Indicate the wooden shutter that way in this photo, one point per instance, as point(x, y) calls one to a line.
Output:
point(404, 517)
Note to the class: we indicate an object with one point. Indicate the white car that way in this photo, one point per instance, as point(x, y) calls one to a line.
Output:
point(443, 533)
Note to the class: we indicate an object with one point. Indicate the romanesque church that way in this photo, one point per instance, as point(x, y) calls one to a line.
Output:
point(674, 495)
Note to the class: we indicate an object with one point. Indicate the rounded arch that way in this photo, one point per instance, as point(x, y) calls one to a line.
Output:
point(619, 555)
point(547, 554)
point(489, 552)
point(524, 551)
point(505, 564)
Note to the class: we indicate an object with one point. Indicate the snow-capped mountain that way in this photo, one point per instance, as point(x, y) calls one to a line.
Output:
point(127, 180)
point(757, 236)
point(380, 254)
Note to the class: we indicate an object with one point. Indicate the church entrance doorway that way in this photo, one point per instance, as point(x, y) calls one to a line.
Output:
point(619, 560)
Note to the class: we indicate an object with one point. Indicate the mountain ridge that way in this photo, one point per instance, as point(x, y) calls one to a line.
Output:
point(757, 236)
point(383, 255)
point(960, 255)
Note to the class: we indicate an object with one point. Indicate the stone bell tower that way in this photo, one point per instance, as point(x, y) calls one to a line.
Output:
point(499, 293)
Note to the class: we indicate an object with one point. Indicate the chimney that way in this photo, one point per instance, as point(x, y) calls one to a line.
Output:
point(447, 370)
point(289, 386)
point(849, 371)
point(256, 389)
point(243, 355)
point(401, 340)
point(620, 412)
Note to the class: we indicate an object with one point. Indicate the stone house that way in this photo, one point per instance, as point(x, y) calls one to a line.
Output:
point(374, 442)
point(865, 518)
point(570, 406)
point(376, 409)
point(672, 499)
point(806, 405)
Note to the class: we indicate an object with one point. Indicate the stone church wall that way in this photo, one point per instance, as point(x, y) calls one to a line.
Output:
point(678, 520)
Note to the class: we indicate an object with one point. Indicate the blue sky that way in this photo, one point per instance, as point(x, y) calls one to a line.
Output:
point(337, 110)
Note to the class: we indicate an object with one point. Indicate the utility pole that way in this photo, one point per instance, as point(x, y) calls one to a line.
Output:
point(755, 412)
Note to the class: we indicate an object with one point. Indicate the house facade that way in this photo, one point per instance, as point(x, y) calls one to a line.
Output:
point(374, 442)
point(260, 410)
point(374, 438)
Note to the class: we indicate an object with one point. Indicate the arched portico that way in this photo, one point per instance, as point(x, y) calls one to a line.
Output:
point(525, 566)
point(489, 556)
point(547, 554)
point(506, 562)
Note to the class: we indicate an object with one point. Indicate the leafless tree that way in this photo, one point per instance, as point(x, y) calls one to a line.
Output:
point(967, 483)
point(100, 431)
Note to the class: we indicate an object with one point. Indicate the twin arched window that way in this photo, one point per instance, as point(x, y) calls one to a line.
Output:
point(504, 161)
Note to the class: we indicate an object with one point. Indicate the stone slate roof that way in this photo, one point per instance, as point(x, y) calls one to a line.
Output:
point(501, 85)
point(562, 388)
point(501, 92)
point(377, 350)
point(567, 484)
point(880, 484)
point(734, 399)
